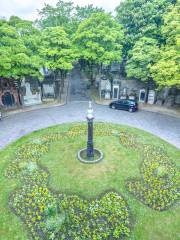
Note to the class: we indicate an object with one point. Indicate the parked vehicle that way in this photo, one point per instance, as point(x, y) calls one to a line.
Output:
point(124, 104)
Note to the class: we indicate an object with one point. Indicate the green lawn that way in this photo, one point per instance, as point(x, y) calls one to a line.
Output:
point(69, 176)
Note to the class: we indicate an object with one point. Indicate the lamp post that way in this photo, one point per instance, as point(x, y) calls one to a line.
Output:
point(90, 118)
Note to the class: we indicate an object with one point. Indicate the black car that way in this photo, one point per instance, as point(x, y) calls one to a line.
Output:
point(124, 104)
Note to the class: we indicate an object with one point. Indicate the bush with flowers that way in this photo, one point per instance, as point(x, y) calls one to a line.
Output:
point(158, 186)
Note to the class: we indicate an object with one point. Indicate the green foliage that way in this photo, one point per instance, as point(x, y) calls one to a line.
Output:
point(171, 27)
point(144, 53)
point(57, 49)
point(142, 18)
point(60, 15)
point(18, 50)
point(159, 182)
point(85, 12)
point(104, 218)
point(99, 39)
point(65, 15)
point(152, 19)
point(166, 72)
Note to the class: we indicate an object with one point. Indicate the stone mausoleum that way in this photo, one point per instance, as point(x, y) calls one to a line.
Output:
point(27, 92)
point(9, 93)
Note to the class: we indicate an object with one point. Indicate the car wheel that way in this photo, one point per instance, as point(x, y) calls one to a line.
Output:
point(113, 106)
point(130, 110)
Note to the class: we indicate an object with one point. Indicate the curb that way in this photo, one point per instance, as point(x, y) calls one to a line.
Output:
point(35, 109)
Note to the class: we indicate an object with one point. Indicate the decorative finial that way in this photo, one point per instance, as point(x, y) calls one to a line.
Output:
point(90, 111)
point(90, 104)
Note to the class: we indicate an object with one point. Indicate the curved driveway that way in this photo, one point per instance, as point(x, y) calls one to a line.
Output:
point(18, 125)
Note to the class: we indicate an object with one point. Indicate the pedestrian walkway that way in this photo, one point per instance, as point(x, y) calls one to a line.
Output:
point(77, 87)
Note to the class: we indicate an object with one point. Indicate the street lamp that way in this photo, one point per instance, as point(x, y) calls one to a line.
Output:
point(90, 118)
point(90, 154)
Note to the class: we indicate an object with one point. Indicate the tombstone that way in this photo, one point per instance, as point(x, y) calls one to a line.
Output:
point(108, 90)
point(125, 91)
point(48, 90)
point(166, 92)
point(169, 101)
point(132, 97)
point(177, 99)
point(123, 94)
point(105, 88)
point(115, 91)
point(159, 102)
point(151, 97)
point(31, 98)
point(142, 95)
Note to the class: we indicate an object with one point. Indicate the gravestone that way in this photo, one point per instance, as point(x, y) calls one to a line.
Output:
point(108, 90)
point(142, 95)
point(151, 97)
point(48, 90)
point(115, 91)
point(29, 97)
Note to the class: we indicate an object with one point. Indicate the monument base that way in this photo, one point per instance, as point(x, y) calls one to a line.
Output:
point(82, 156)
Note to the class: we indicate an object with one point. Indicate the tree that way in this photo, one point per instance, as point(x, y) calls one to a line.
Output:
point(66, 15)
point(142, 18)
point(100, 39)
point(31, 38)
point(58, 52)
point(144, 53)
point(166, 72)
point(60, 15)
point(15, 61)
point(171, 27)
point(85, 12)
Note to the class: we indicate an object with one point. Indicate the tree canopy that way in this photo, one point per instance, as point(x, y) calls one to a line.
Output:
point(99, 39)
point(57, 49)
point(66, 15)
point(85, 12)
point(142, 18)
point(144, 35)
point(17, 59)
point(151, 40)
point(166, 71)
point(60, 15)
point(143, 54)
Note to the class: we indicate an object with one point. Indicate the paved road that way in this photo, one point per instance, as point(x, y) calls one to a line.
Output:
point(77, 87)
point(18, 125)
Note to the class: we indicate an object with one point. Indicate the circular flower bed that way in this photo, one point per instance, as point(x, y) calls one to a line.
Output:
point(49, 215)
point(57, 216)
